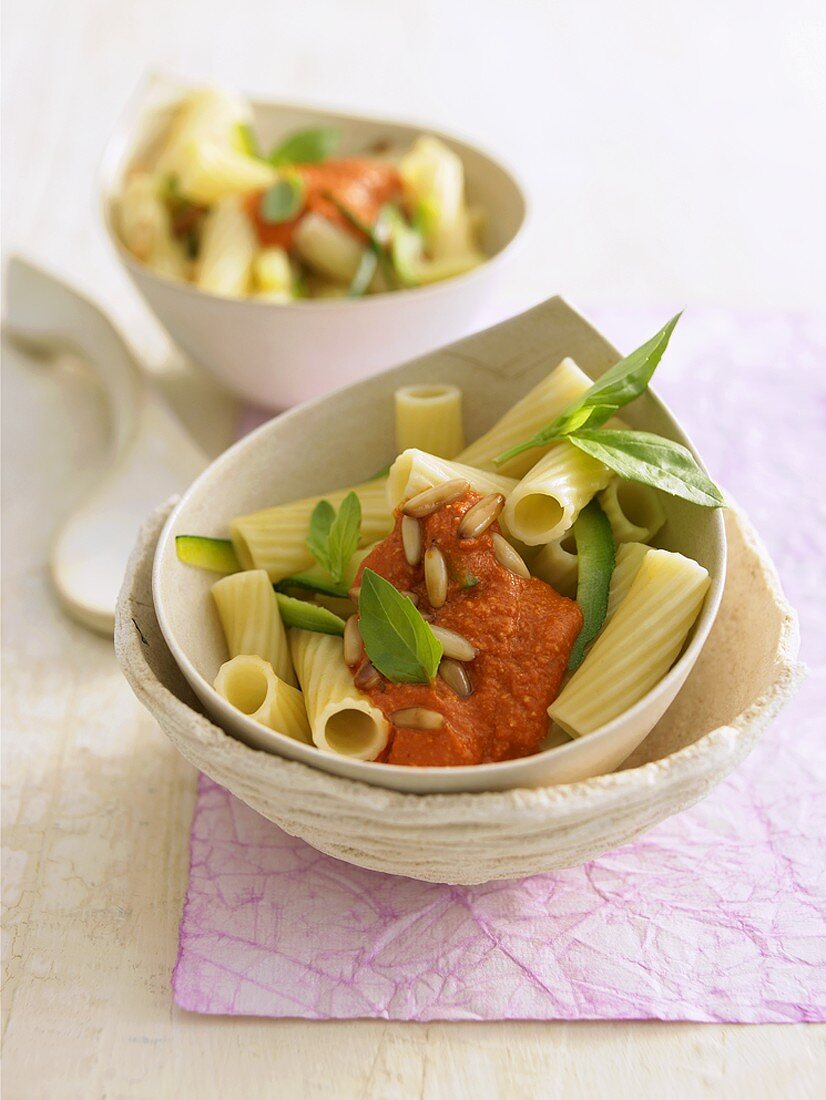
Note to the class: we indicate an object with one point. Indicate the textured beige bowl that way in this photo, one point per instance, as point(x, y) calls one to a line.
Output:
point(342, 439)
point(745, 673)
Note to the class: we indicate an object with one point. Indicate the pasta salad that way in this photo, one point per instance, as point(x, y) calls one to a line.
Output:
point(469, 600)
point(211, 207)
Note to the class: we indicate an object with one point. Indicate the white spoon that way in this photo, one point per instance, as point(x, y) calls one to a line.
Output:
point(151, 455)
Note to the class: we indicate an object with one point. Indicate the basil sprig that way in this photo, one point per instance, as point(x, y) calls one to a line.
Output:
point(636, 456)
point(283, 200)
point(620, 385)
point(651, 460)
point(306, 146)
point(333, 539)
point(397, 639)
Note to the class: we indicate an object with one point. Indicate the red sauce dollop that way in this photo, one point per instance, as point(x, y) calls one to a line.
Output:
point(361, 184)
point(523, 630)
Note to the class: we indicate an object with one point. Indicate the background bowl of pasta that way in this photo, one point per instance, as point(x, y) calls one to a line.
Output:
point(290, 250)
point(557, 808)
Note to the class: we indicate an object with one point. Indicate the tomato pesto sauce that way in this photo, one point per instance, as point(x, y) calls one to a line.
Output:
point(359, 184)
point(522, 629)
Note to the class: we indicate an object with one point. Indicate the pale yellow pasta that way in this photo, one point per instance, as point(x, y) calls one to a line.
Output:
point(228, 248)
point(414, 470)
point(327, 248)
point(547, 501)
point(630, 557)
point(145, 227)
point(541, 405)
point(251, 621)
point(434, 179)
point(210, 171)
point(272, 271)
point(275, 539)
point(634, 511)
point(249, 684)
point(557, 565)
point(429, 418)
point(342, 719)
point(206, 114)
point(637, 647)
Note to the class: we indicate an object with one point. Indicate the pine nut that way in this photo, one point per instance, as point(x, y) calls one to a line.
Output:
point(368, 676)
point(411, 540)
point(354, 593)
point(508, 557)
point(435, 576)
point(454, 645)
point(430, 500)
point(477, 519)
point(352, 641)
point(417, 718)
point(455, 676)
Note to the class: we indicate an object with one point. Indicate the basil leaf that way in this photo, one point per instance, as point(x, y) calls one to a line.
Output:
point(282, 201)
point(343, 536)
point(397, 639)
point(596, 557)
point(306, 146)
point(247, 140)
point(651, 460)
point(620, 385)
point(320, 523)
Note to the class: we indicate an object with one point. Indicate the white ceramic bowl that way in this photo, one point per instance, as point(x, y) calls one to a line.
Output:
point(275, 354)
point(340, 439)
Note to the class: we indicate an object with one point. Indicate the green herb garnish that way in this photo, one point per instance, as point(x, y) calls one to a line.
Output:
point(636, 456)
point(596, 552)
point(306, 146)
point(333, 539)
point(282, 201)
point(620, 385)
point(397, 639)
point(651, 460)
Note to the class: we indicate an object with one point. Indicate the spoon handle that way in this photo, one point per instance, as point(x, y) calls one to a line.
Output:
point(151, 455)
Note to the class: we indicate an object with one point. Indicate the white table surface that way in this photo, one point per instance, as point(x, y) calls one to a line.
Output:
point(675, 155)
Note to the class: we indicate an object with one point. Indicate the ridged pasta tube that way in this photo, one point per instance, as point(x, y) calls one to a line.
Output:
point(634, 511)
point(545, 503)
point(210, 171)
point(228, 248)
point(328, 248)
point(251, 621)
point(275, 539)
point(273, 272)
point(414, 470)
point(541, 405)
point(434, 177)
point(557, 565)
point(429, 418)
point(145, 227)
point(629, 558)
point(637, 647)
point(249, 684)
point(205, 114)
point(342, 719)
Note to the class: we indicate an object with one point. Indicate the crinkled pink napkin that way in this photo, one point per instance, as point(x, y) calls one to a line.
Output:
point(716, 915)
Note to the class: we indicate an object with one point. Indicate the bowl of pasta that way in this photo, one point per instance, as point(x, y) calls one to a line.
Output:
point(493, 634)
point(291, 250)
